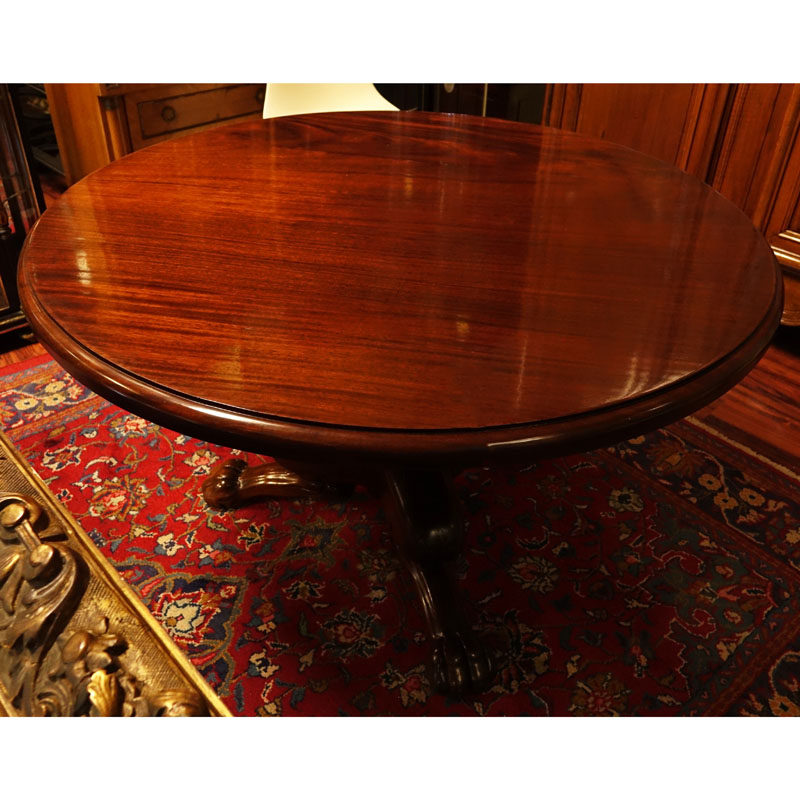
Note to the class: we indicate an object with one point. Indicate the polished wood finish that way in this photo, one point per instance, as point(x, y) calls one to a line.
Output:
point(743, 139)
point(677, 123)
point(402, 294)
point(761, 411)
point(599, 115)
point(232, 483)
point(400, 285)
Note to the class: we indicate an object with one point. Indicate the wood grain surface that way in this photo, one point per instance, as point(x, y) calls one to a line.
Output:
point(400, 285)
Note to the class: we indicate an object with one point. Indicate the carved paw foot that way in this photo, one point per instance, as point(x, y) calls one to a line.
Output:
point(221, 488)
point(233, 483)
point(427, 524)
point(460, 665)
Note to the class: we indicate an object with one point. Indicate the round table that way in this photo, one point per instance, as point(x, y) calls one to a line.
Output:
point(386, 298)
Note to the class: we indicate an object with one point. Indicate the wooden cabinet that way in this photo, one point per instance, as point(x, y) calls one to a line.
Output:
point(742, 139)
point(96, 123)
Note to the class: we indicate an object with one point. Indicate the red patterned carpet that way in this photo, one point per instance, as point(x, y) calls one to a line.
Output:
point(656, 577)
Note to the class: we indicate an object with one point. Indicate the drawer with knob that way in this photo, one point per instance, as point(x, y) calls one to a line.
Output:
point(154, 115)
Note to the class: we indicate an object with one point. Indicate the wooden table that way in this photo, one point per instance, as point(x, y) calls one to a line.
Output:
point(388, 298)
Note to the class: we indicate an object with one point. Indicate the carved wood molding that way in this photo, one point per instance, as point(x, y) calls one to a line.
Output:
point(74, 638)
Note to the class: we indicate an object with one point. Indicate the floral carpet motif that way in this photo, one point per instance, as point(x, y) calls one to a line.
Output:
point(660, 576)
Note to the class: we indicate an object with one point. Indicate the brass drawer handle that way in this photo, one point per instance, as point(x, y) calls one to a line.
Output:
point(168, 113)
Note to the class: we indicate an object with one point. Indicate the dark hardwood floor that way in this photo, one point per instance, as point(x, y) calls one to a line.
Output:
point(762, 412)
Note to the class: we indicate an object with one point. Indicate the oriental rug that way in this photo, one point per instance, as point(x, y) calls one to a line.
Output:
point(659, 576)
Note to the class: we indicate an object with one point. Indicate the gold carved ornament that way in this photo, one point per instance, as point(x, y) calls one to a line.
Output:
point(48, 668)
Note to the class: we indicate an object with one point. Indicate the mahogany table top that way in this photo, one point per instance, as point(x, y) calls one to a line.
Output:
point(400, 283)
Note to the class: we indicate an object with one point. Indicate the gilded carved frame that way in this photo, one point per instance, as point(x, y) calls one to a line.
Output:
point(75, 640)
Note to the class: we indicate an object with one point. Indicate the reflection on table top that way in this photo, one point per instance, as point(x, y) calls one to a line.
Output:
point(405, 271)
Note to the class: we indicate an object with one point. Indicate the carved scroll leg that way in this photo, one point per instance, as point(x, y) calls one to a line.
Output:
point(430, 533)
point(232, 483)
